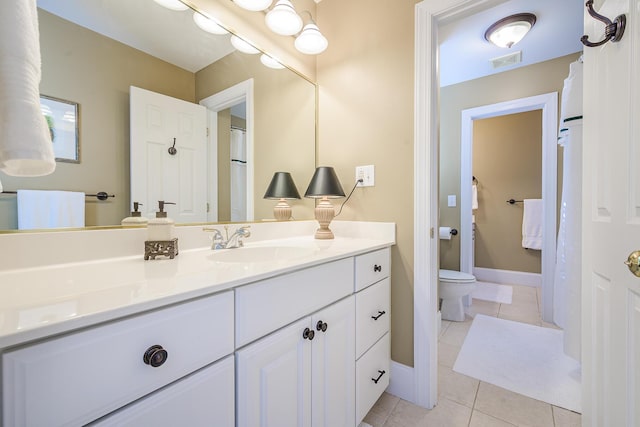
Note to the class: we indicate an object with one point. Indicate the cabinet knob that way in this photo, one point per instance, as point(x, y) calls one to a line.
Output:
point(380, 313)
point(321, 326)
point(155, 356)
point(308, 334)
point(375, 380)
point(377, 268)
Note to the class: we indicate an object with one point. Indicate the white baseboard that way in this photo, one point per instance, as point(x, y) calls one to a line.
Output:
point(507, 277)
point(401, 382)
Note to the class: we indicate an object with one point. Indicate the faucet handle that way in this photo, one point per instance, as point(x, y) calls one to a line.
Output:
point(216, 239)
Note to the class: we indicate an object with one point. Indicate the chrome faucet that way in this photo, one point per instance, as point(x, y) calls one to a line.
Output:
point(235, 241)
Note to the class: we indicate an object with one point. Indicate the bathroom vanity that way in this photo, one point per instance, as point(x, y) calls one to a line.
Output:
point(283, 332)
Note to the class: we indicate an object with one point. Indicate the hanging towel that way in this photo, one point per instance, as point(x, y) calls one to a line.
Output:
point(532, 224)
point(474, 197)
point(50, 209)
point(25, 142)
point(571, 101)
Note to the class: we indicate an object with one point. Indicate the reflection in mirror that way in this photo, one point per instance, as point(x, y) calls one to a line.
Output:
point(88, 66)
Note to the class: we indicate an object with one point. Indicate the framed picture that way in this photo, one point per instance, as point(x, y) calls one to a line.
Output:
point(62, 119)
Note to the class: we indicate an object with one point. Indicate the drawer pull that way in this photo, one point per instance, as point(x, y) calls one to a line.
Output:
point(375, 380)
point(321, 326)
point(308, 334)
point(155, 356)
point(377, 268)
point(380, 313)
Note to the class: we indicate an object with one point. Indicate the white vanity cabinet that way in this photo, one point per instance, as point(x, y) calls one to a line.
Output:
point(302, 375)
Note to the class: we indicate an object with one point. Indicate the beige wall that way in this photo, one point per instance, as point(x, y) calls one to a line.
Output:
point(84, 67)
point(507, 161)
point(366, 117)
point(544, 77)
point(284, 125)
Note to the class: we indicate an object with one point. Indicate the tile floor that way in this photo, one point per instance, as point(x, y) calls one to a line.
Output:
point(464, 401)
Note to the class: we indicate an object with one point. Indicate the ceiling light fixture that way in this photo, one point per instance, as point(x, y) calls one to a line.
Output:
point(172, 4)
point(271, 62)
point(310, 40)
point(510, 30)
point(208, 25)
point(283, 19)
point(243, 46)
point(254, 5)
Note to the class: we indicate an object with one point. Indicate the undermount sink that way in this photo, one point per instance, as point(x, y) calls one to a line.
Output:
point(260, 254)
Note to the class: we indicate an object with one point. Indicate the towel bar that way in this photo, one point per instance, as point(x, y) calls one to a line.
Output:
point(513, 202)
point(101, 195)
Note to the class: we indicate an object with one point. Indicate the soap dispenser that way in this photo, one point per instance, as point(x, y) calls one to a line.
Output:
point(161, 228)
point(136, 219)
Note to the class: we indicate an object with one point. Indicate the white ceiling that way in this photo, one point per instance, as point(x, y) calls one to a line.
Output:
point(465, 54)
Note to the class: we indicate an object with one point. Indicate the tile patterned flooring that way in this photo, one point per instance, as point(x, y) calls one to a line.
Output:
point(466, 402)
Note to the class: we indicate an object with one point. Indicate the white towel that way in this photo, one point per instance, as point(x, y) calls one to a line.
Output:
point(532, 224)
point(474, 196)
point(25, 141)
point(50, 209)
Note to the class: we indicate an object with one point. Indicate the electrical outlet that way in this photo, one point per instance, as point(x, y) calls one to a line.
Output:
point(366, 174)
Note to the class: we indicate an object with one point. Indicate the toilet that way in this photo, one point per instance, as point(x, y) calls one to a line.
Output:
point(453, 286)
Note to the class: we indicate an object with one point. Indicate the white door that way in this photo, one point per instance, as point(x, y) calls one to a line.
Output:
point(157, 123)
point(273, 380)
point(334, 365)
point(611, 218)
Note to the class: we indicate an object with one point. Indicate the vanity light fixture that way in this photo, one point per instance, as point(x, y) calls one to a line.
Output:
point(310, 40)
point(243, 46)
point(172, 4)
point(510, 30)
point(282, 188)
point(254, 5)
point(283, 19)
point(324, 185)
point(208, 25)
point(271, 62)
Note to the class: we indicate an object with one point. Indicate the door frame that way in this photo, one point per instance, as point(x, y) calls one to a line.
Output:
point(241, 92)
point(548, 103)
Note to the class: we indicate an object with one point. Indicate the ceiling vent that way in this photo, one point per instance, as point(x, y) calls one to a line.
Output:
point(506, 60)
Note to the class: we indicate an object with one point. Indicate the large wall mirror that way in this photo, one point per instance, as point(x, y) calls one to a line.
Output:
point(93, 51)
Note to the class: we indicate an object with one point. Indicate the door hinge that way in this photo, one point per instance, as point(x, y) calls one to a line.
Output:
point(207, 131)
point(207, 207)
point(431, 232)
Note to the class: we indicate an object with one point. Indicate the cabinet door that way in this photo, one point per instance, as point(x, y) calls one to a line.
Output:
point(204, 398)
point(333, 373)
point(273, 380)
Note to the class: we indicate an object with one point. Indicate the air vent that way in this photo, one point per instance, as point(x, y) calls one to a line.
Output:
point(506, 60)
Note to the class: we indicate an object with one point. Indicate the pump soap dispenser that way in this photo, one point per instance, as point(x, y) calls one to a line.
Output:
point(161, 240)
point(136, 219)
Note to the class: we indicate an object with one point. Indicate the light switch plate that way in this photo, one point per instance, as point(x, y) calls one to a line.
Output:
point(367, 174)
point(451, 200)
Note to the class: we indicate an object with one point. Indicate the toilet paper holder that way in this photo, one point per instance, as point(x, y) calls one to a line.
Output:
point(454, 232)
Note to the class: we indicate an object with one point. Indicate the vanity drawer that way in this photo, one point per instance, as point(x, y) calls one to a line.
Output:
point(374, 365)
point(79, 377)
point(372, 267)
point(204, 398)
point(373, 311)
point(270, 304)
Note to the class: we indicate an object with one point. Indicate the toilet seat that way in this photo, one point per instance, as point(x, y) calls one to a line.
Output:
point(450, 276)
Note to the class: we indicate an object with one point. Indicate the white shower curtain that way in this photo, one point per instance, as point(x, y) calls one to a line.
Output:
point(238, 176)
point(568, 278)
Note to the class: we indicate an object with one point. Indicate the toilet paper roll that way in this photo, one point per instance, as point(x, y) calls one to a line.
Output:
point(445, 233)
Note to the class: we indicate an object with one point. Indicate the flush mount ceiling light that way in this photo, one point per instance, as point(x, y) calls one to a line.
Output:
point(510, 30)
point(283, 19)
point(172, 4)
point(253, 5)
point(243, 46)
point(310, 40)
point(271, 62)
point(208, 25)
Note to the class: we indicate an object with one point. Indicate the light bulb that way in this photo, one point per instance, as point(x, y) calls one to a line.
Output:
point(283, 19)
point(254, 5)
point(311, 41)
point(243, 46)
point(172, 4)
point(208, 25)
point(271, 62)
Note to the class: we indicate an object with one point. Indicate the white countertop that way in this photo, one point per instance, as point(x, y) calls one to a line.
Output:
point(44, 301)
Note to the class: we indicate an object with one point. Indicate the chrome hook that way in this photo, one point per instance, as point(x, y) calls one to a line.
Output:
point(613, 30)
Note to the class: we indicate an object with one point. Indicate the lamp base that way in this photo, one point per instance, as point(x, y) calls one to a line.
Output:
point(282, 211)
point(324, 214)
